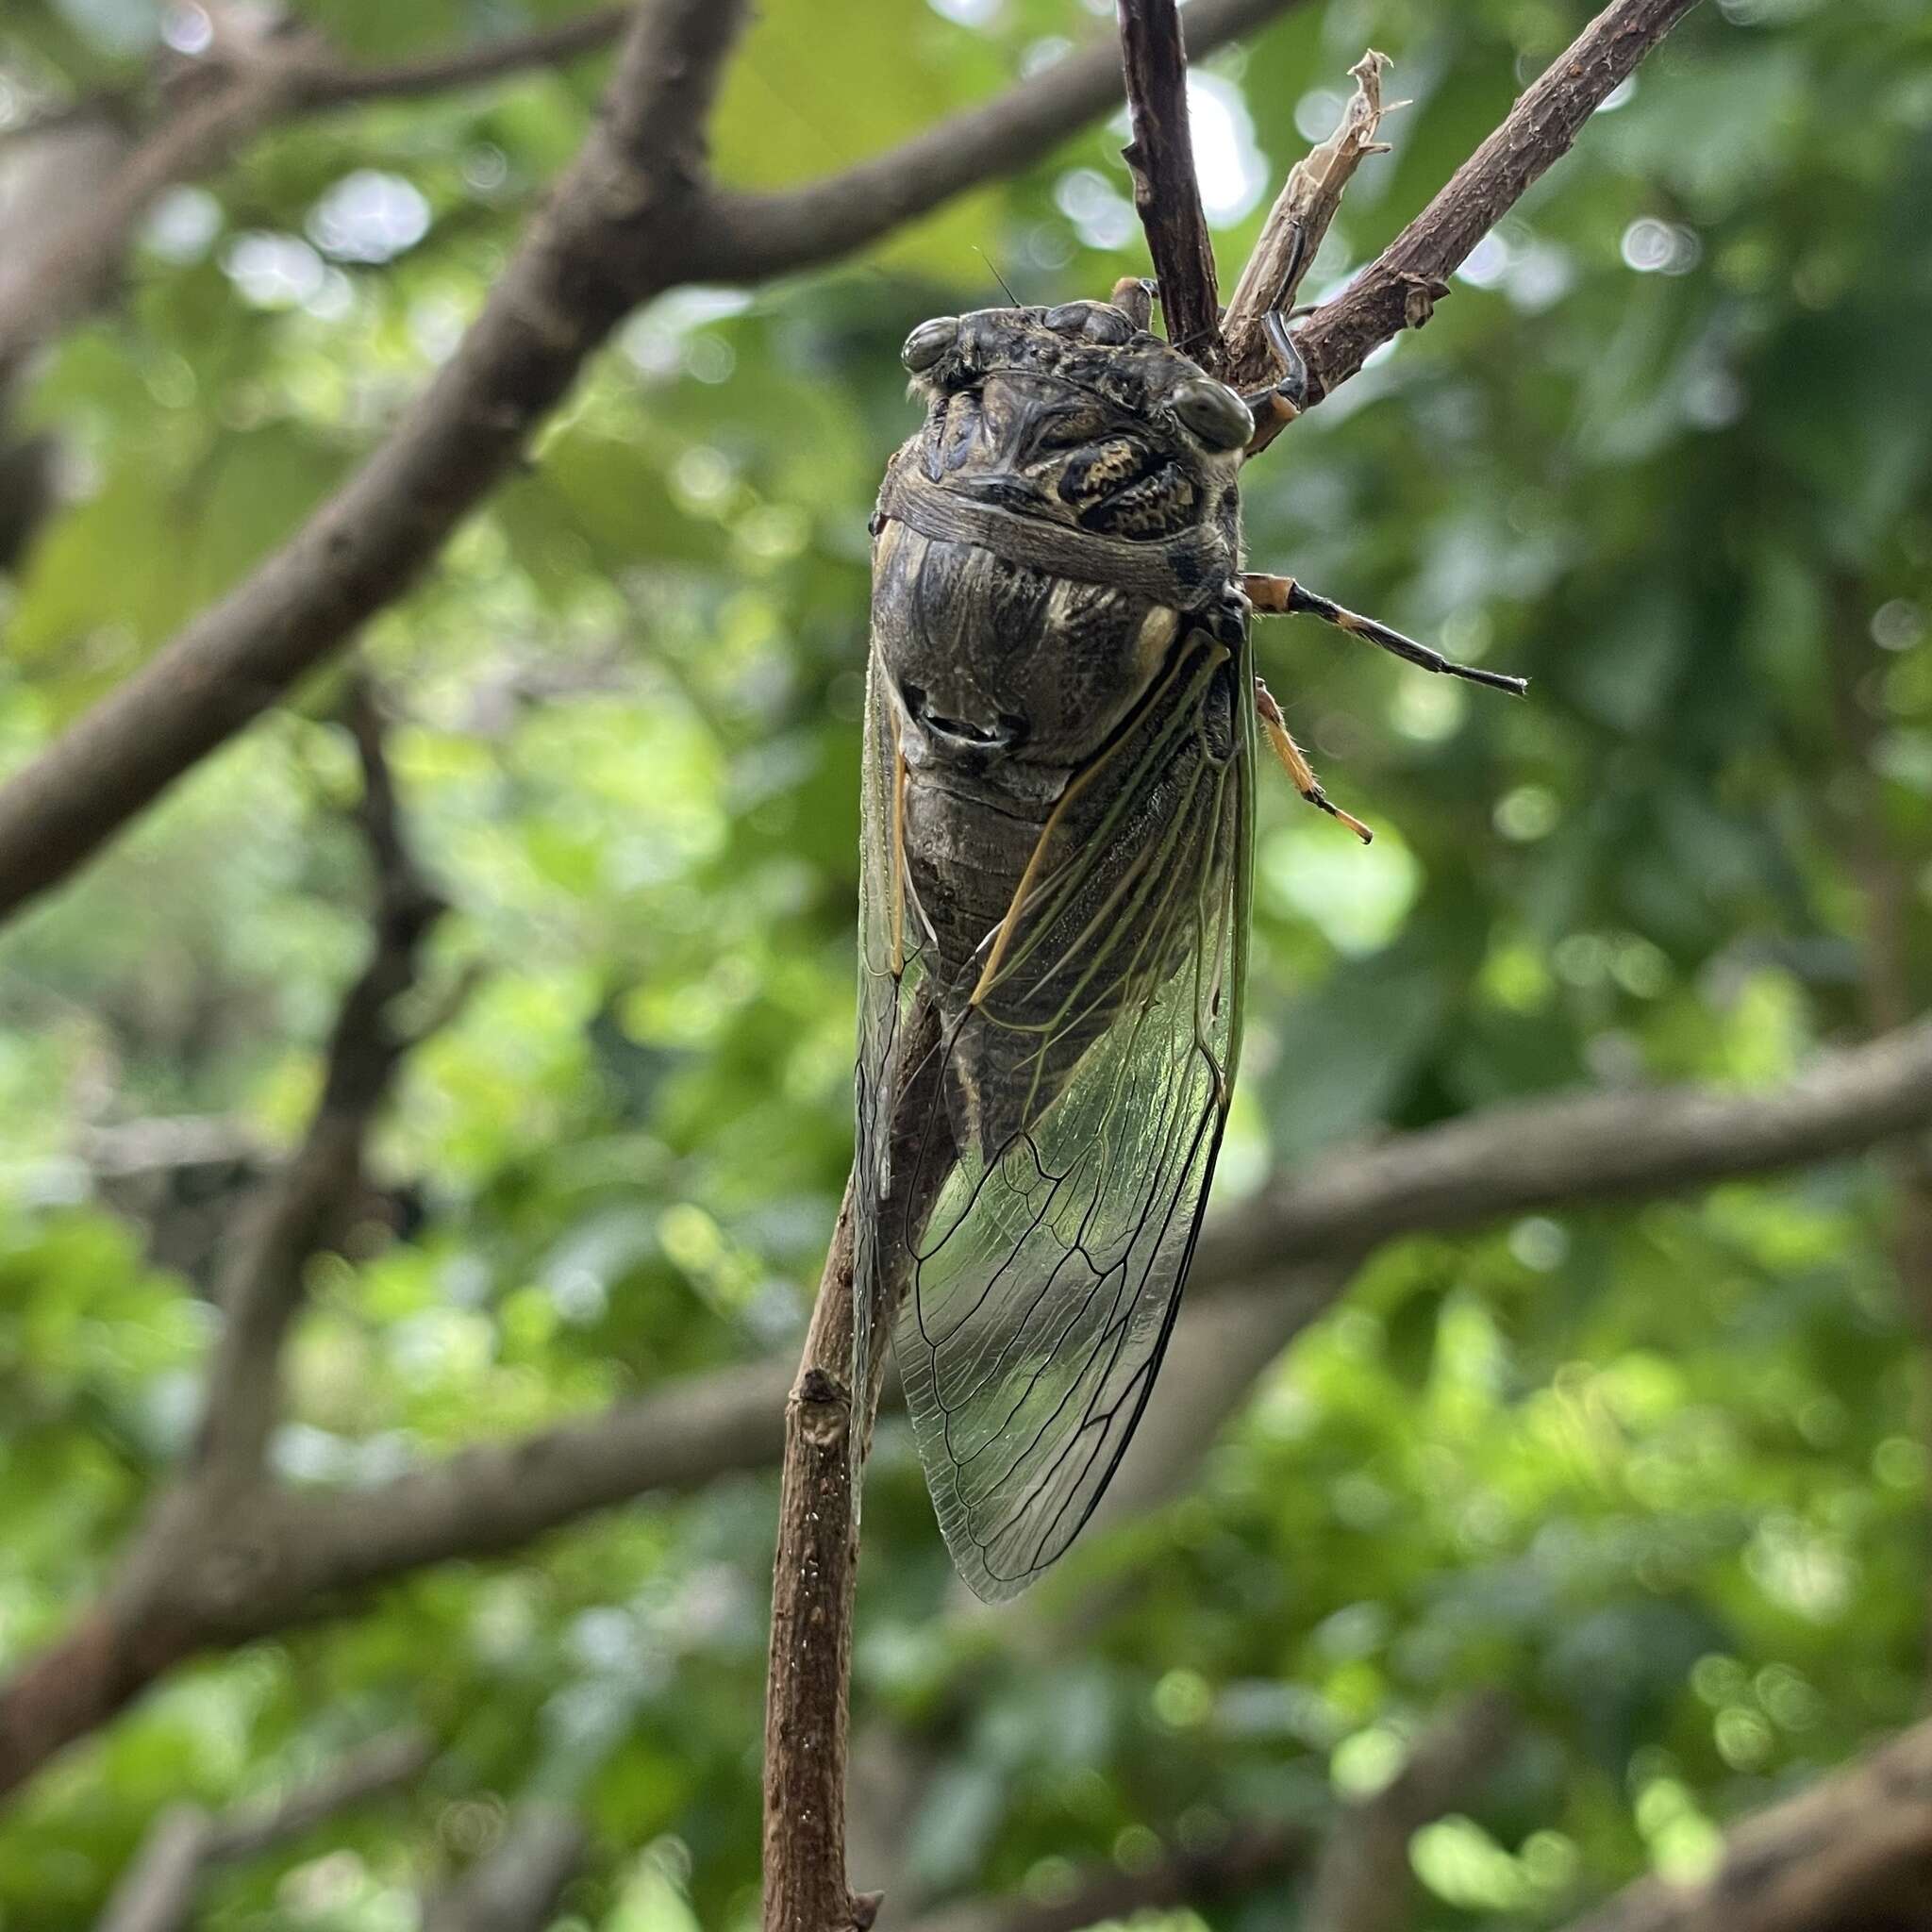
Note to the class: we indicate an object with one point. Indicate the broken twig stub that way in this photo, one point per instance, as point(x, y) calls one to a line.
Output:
point(1299, 220)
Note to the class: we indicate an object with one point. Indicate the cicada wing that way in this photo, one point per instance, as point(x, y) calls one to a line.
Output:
point(895, 1026)
point(1084, 1084)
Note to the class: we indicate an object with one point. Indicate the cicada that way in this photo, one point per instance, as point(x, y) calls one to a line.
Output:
point(1061, 727)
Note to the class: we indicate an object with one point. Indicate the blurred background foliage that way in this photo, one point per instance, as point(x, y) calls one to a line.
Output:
point(1660, 1473)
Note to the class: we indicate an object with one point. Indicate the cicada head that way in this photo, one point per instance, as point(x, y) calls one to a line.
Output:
point(1075, 416)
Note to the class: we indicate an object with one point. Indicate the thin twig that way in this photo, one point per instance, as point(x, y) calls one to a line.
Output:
point(343, 86)
point(260, 1286)
point(815, 1573)
point(1401, 287)
point(1161, 159)
point(1297, 224)
point(1295, 228)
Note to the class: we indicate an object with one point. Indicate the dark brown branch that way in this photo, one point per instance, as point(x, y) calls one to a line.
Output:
point(300, 1212)
point(276, 80)
point(515, 1887)
point(630, 219)
point(752, 236)
point(607, 239)
point(815, 1573)
point(1852, 1853)
point(1167, 194)
point(814, 1579)
point(268, 1560)
point(1401, 287)
point(157, 1892)
point(324, 86)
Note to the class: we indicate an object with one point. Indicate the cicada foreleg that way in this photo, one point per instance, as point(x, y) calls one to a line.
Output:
point(1277, 405)
point(1296, 761)
point(1275, 596)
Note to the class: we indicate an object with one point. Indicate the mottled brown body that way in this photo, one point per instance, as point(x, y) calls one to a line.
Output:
point(1008, 677)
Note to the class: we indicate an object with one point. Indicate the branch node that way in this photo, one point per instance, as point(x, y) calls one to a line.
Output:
point(1420, 294)
point(824, 1404)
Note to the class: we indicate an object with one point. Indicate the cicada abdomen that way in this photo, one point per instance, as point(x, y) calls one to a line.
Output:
point(1059, 778)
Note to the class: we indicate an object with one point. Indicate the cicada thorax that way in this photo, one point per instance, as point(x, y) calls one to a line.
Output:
point(1054, 621)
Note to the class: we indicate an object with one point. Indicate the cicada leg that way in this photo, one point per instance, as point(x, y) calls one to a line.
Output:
point(1133, 295)
point(1295, 760)
point(1275, 407)
point(1284, 597)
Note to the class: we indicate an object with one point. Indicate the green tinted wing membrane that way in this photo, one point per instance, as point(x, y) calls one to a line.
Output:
point(1085, 1059)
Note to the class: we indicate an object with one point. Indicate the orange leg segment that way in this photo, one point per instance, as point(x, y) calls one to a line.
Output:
point(1297, 766)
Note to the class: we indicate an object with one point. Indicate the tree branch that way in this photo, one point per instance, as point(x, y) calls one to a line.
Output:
point(230, 99)
point(326, 86)
point(157, 1892)
point(828, 1426)
point(1299, 220)
point(609, 236)
point(1167, 194)
point(260, 1285)
point(200, 1559)
point(1292, 236)
point(515, 1887)
point(1401, 287)
point(270, 1559)
point(1634, 1143)
point(629, 220)
point(1852, 1853)
point(752, 236)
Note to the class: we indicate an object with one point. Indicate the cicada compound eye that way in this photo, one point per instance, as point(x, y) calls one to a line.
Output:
point(929, 342)
point(1211, 411)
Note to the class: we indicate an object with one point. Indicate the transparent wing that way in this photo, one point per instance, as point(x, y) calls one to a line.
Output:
point(895, 1010)
point(1078, 1087)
